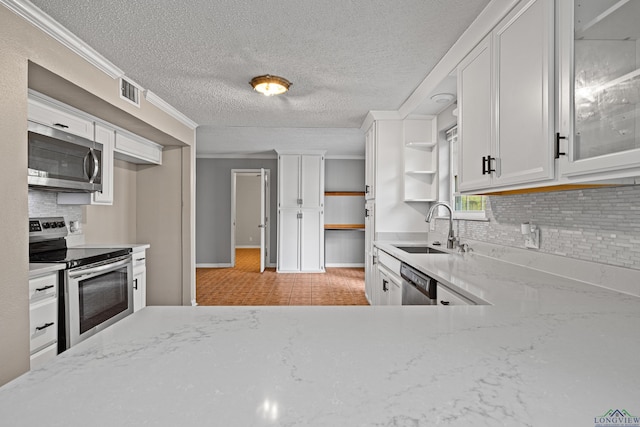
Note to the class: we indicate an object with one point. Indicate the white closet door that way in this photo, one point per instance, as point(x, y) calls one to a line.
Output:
point(289, 240)
point(311, 240)
point(312, 178)
point(288, 180)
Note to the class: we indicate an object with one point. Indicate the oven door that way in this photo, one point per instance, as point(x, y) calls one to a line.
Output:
point(96, 297)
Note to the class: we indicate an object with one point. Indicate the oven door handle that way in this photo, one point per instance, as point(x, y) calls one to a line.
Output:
point(96, 271)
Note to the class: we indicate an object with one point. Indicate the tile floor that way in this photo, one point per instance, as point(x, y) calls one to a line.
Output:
point(245, 285)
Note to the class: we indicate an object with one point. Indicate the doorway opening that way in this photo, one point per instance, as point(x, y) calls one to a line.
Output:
point(250, 214)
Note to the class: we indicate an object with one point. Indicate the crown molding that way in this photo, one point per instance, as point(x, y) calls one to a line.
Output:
point(263, 156)
point(154, 99)
point(44, 22)
point(35, 16)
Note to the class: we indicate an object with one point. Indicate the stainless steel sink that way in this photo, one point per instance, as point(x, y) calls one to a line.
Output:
point(420, 250)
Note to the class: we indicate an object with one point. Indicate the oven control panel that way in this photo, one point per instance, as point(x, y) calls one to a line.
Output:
point(47, 228)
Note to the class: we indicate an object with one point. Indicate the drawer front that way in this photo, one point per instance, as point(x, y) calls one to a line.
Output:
point(448, 297)
point(41, 357)
point(391, 263)
point(43, 319)
point(43, 287)
point(62, 120)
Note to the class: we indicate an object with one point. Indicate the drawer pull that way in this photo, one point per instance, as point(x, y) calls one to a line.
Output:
point(61, 125)
point(44, 288)
point(45, 326)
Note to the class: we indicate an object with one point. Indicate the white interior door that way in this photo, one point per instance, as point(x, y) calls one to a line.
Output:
point(263, 219)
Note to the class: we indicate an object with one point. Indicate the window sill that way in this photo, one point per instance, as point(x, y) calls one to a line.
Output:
point(471, 216)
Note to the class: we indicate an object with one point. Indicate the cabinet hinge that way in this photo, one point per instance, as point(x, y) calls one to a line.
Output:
point(558, 152)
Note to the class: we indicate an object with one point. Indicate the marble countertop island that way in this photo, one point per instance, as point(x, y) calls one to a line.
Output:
point(548, 351)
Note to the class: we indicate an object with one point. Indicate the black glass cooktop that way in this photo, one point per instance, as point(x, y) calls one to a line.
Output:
point(76, 257)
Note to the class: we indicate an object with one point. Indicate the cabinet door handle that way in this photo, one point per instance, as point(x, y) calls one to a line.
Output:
point(366, 213)
point(489, 168)
point(61, 125)
point(444, 302)
point(135, 284)
point(385, 288)
point(44, 288)
point(45, 326)
point(558, 152)
point(366, 189)
point(484, 165)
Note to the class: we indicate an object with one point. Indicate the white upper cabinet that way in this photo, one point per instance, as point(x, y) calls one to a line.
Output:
point(524, 69)
point(370, 163)
point(475, 117)
point(599, 90)
point(56, 116)
point(135, 149)
point(505, 101)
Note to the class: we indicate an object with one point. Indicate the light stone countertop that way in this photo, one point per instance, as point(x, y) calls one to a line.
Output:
point(548, 351)
point(38, 269)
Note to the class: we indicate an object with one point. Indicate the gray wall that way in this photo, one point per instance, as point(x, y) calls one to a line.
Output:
point(344, 246)
point(213, 207)
point(247, 210)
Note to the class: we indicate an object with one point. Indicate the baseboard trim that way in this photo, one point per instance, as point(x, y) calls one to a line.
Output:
point(345, 265)
point(247, 247)
point(219, 265)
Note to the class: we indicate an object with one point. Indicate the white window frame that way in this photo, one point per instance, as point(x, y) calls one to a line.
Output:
point(451, 136)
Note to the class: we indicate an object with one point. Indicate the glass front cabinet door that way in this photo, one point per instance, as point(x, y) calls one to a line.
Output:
point(599, 89)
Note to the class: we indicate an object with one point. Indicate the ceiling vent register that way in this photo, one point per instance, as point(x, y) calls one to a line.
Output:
point(130, 92)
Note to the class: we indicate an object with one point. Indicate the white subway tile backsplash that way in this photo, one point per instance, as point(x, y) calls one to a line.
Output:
point(599, 224)
point(45, 203)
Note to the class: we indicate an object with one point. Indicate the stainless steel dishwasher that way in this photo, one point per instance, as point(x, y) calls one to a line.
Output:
point(417, 287)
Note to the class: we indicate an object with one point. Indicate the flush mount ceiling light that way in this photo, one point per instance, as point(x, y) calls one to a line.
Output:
point(270, 85)
point(442, 98)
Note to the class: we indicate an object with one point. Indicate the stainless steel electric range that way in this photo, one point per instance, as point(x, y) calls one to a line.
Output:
point(96, 286)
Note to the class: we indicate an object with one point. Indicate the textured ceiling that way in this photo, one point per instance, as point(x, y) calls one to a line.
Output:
point(344, 57)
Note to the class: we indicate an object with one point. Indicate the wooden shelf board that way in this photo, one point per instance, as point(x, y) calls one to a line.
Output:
point(344, 226)
point(344, 193)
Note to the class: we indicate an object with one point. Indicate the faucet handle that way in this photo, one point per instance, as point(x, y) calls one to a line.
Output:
point(464, 247)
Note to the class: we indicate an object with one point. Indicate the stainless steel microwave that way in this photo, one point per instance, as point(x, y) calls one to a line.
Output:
point(60, 161)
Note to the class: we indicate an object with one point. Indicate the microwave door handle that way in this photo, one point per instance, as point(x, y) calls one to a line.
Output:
point(93, 174)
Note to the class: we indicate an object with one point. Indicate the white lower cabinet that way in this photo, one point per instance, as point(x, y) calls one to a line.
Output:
point(43, 318)
point(300, 242)
point(388, 282)
point(139, 280)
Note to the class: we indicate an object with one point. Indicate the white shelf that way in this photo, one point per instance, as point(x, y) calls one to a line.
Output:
point(420, 160)
point(421, 172)
point(421, 145)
